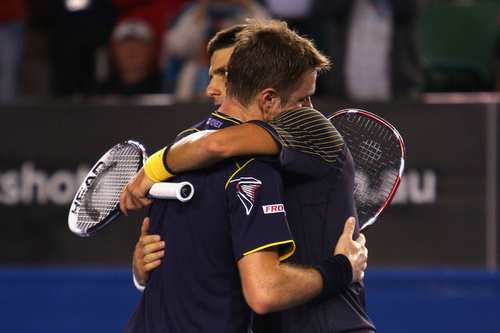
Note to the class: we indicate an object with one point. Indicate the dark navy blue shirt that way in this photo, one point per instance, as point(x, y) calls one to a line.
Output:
point(237, 209)
point(318, 175)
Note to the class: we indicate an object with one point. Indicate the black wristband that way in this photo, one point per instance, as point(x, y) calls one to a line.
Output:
point(336, 273)
point(165, 160)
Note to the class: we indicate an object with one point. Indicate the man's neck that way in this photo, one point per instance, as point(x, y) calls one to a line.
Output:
point(233, 108)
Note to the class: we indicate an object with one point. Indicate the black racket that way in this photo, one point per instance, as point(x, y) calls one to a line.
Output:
point(378, 152)
point(97, 201)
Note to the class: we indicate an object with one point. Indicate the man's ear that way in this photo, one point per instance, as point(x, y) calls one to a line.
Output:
point(267, 99)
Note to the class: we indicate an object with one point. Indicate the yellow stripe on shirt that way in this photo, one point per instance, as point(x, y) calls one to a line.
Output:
point(284, 252)
point(240, 167)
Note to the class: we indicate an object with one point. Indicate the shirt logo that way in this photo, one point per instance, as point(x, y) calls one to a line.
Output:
point(272, 209)
point(214, 122)
point(245, 190)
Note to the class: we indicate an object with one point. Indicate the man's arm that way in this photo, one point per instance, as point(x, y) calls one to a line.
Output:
point(269, 285)
point(149, 252)
point(198, 151)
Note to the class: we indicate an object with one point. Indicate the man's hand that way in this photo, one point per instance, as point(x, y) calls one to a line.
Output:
point(354, 250)
point(148, 253)
point(134, 194)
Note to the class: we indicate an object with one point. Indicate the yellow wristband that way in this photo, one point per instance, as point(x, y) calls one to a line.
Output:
point(155, 169)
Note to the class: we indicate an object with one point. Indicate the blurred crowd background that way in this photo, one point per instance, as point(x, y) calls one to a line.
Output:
point(382, 50)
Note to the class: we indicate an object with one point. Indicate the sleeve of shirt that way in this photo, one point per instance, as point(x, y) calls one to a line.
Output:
point(257, 214)
point(310, 143)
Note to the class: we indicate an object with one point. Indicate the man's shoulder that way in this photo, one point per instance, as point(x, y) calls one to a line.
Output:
point(308, 131)
point(214, 121)
point(246, 165)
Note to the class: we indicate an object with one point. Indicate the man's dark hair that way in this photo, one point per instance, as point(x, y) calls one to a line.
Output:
point(224, 38)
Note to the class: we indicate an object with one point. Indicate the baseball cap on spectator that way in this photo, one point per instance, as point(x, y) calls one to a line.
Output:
point(132, 28)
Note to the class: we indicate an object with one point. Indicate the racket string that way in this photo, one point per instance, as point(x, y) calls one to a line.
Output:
point(377, 160)
point(104, 193)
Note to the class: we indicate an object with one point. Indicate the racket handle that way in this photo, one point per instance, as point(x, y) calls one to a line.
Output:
point(181, 191)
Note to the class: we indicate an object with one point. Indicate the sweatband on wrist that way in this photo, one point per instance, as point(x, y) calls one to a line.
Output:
point(155, 168)
point(336, 273)
point(165, 152)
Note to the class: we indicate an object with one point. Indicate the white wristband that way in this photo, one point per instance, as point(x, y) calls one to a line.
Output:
point(137, 284)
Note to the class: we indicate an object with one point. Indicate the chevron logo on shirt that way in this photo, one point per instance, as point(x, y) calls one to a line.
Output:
point(245, 190)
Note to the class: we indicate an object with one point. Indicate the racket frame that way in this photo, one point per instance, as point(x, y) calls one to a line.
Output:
point(398, 136)
point(89, 180)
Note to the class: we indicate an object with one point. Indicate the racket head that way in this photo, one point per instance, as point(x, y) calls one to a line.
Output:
point(96, 203)
point(379, 153)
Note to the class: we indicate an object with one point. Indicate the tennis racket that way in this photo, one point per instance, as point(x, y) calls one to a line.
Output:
point(378, 152)
point(97, 201)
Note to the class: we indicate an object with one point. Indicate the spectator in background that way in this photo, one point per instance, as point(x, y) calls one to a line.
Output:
point(301, 16)
point(158, 13)
point(373, 47)
point(78, 32)
point(185, 58)
point(13, 14)
point(297, 13)
point(134, 70)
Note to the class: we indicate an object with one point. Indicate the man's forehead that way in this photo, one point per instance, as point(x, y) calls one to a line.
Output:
point(220, 58)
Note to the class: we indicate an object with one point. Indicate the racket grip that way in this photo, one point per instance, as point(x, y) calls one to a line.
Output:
point(181, 191)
